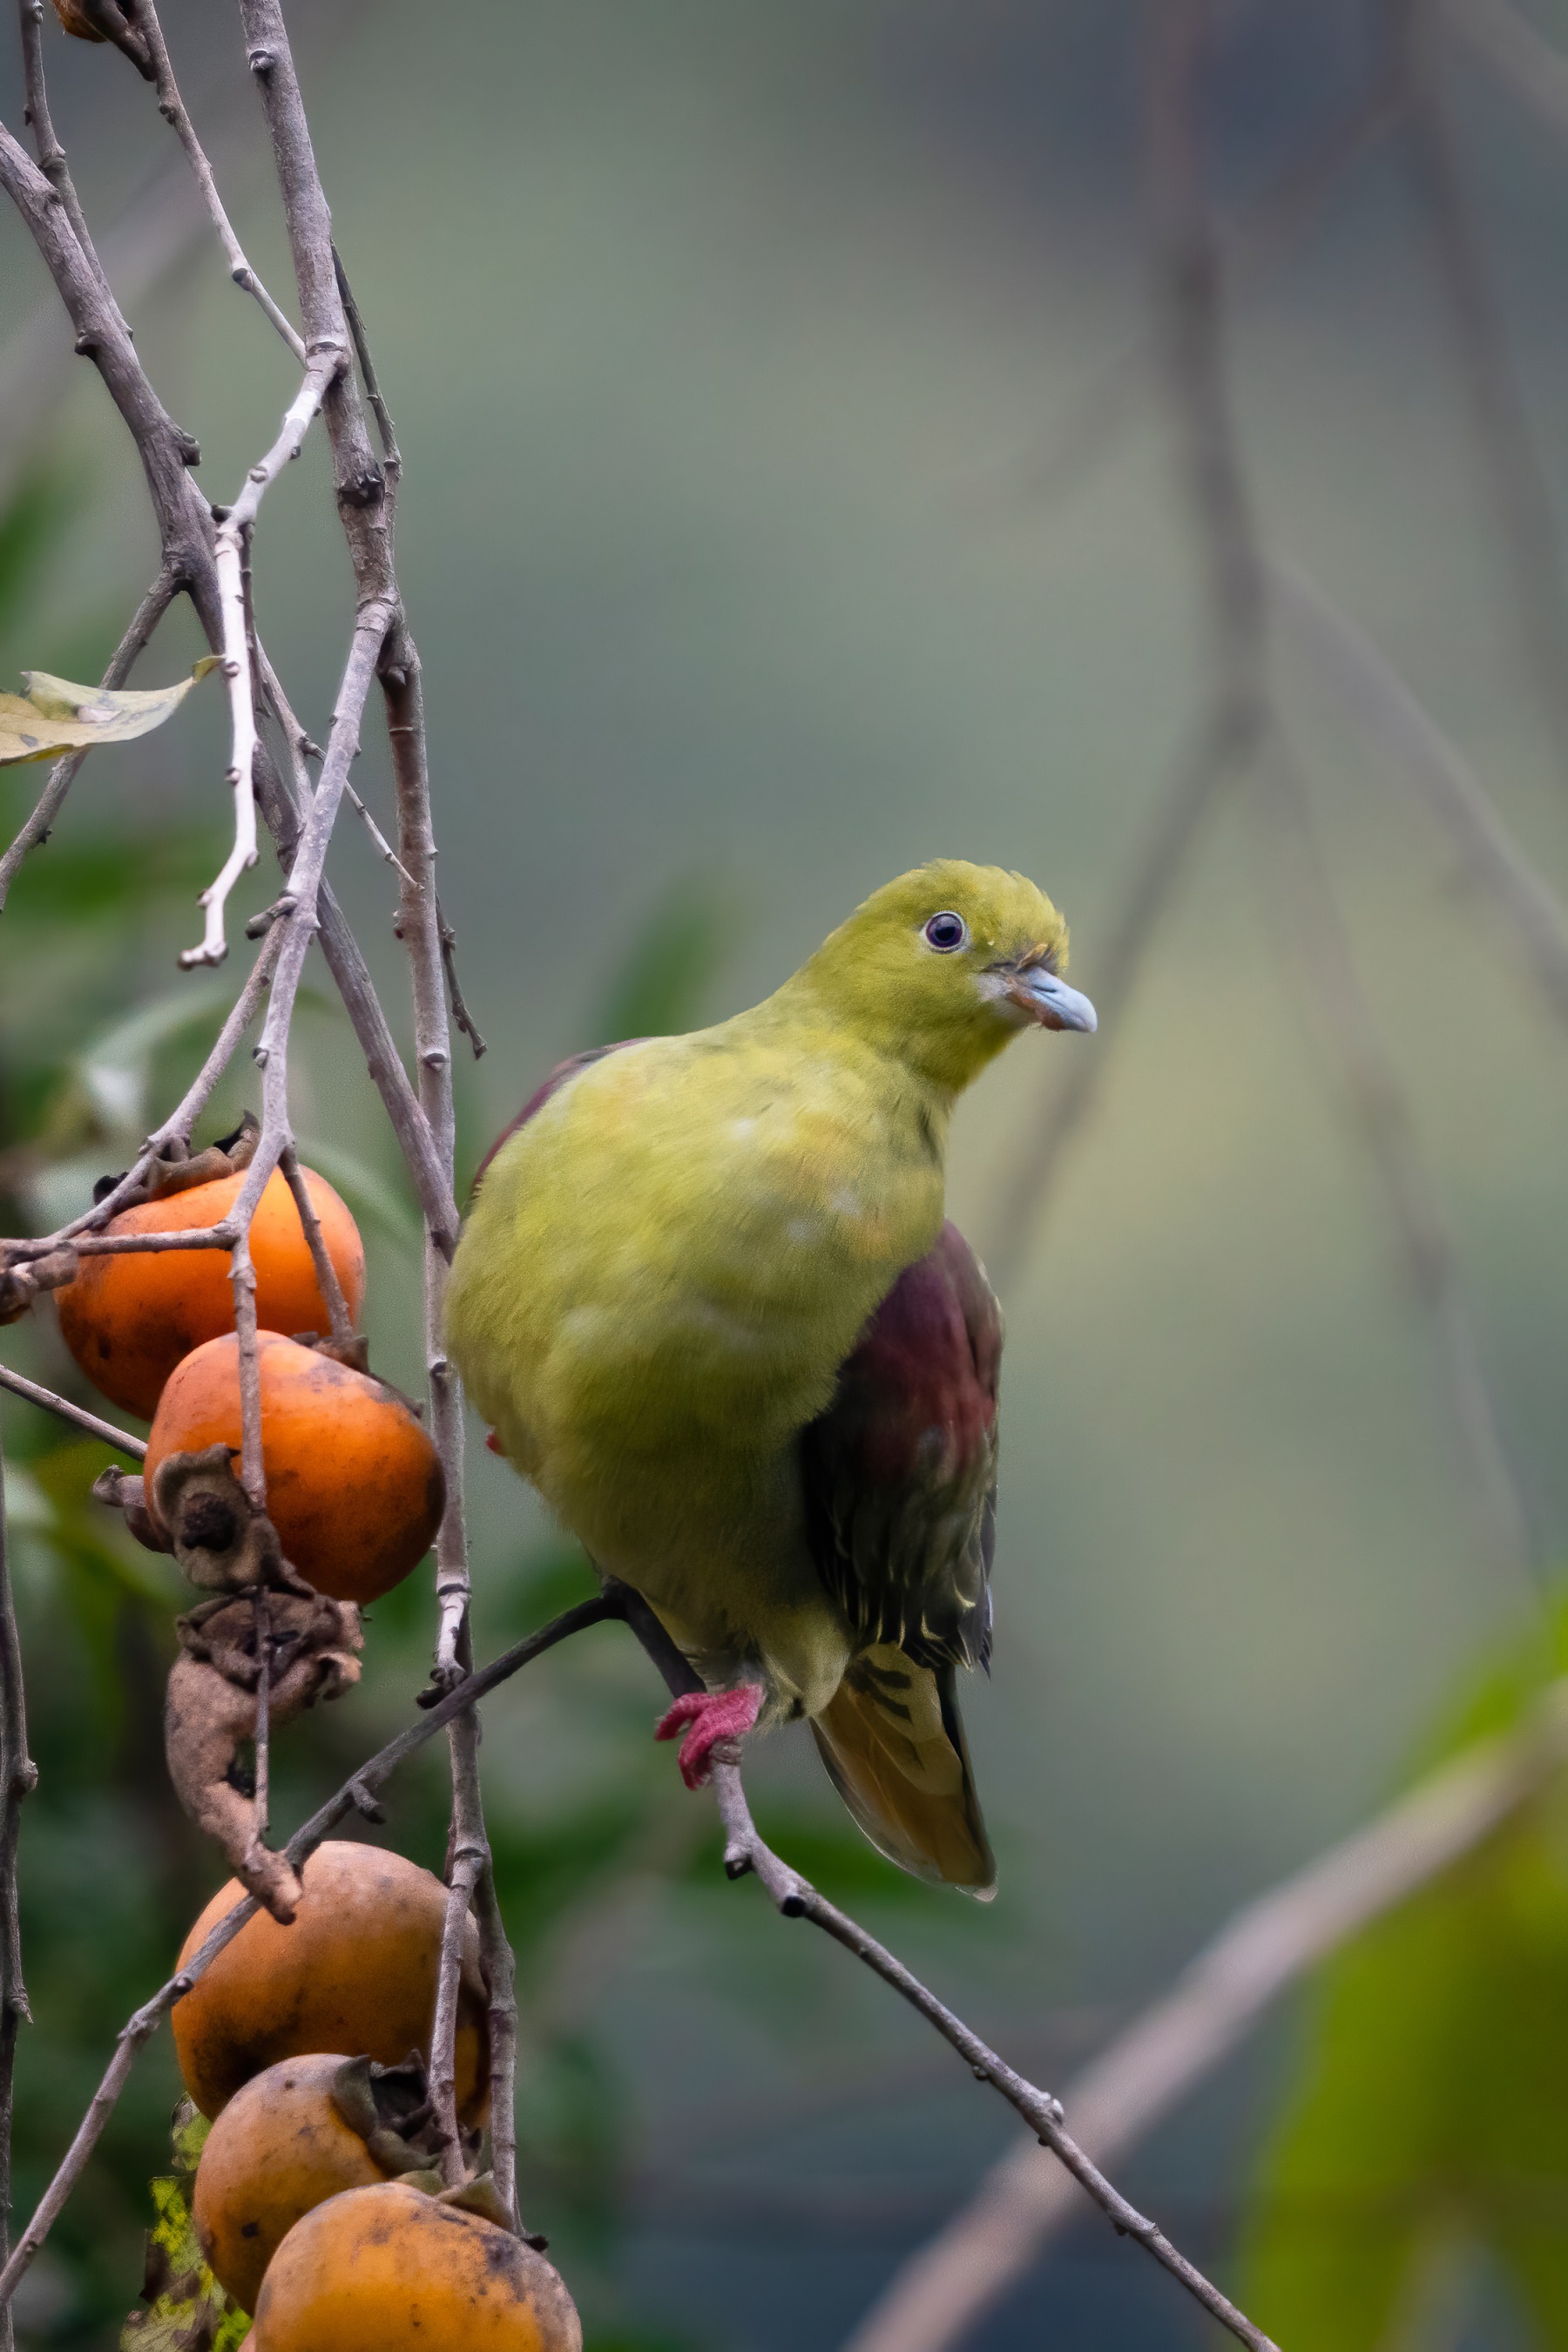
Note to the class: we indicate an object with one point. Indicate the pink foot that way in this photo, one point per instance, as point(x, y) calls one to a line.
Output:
point(713, 1715)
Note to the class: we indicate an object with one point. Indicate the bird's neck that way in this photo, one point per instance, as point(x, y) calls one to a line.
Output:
point(939, 1058)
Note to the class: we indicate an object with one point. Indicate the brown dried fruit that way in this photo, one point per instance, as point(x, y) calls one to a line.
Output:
point(211, 1709)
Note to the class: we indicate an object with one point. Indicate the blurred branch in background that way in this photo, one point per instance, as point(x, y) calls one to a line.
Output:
point(1522, 60)
point(1239, 737)
point(1380, 1112)
point(1515, 477)
point(936, 2298)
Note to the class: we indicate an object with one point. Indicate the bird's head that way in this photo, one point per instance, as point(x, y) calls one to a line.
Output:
point(943, 966)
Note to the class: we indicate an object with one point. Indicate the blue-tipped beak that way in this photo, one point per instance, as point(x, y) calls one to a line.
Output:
point(1051, 1001)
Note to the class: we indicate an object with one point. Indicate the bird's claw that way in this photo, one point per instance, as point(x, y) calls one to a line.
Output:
point(707, 1717)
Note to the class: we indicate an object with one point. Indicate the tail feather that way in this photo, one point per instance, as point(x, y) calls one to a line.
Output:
point(893, 1743)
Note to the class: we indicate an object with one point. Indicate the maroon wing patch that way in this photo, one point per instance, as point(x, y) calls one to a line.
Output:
point(899, 1472)
point(540, 1096)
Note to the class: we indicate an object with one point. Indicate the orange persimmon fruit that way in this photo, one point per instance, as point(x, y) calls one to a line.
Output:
point(353, 1483)
point(281, 2147)
point(130, 1319)
point(356, 1973)
point(394, 2269)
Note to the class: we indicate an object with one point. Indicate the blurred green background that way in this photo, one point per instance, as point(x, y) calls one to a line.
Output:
point(756, 552)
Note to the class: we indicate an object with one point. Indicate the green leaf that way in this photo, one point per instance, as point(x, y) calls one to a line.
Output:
point(1428, 2105)
point(188, 2311)
point(56, 716)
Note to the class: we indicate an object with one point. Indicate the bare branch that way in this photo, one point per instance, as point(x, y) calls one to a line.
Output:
point(51, 154)
point(1226, 744)
point(745, 1852)
point(795, 1898)
point(468, 1858)
point(500, 1974)
point(379, 409)
point(331, 1289)
point(1101, 409)
point(1365, 685)
point(135, 1448)
point(228, 558)
point(19, 1778)
point(1510, 462)
point(1527, 66)
point(935, 2299)
point(172, 106)
point(1377, 1101)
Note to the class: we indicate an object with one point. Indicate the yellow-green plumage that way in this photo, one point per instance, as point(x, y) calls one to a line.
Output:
point(666, 1266)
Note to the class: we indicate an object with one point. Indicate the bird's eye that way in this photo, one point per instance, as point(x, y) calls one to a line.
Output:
point(945, 932)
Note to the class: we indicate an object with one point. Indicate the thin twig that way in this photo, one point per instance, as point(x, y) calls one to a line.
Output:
point(135, 1448)
point(935, 2299)
point(499, 1966)
point(460, 1014)
point(172, 106)
point(1378, 1103)
point(242, 1285)
point(341, 1322)
point(175, 1133)
point(357, 1794)
point(63, 774)
point(228, 558)
point(19, 1778)
point(1228, 738)
point(51, 154)
point(364, 503)
point(1510, 460)
point(185, 527)
point(469, 1856)
point(372, 392)
point(261, 1803)
point(1098, 410)
point(795, 1898)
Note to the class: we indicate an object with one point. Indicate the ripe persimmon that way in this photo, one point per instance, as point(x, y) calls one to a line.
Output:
point(394, 2270)
point(353, 1483)
point(356, 1971)
point(128, 1319)
point(282, 2146)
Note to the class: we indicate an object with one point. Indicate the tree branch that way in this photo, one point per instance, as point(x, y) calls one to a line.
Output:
point(793, 1898)
point(936, 2298)
point(19, 1778)
point(135, 1448)
point(1364, 683)
point(172, 106)
point(1511, 464)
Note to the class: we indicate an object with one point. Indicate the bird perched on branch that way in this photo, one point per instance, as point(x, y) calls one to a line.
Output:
point(708, 1299)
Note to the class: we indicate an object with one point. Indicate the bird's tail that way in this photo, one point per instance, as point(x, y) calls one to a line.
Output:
point(893, 1744)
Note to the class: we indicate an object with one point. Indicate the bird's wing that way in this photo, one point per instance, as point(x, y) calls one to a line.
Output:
point(899, 1483)
point(558, 1076)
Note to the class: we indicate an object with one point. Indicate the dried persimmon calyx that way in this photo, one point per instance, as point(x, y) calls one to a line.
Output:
point(215, 1532)
point(391, 2109)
